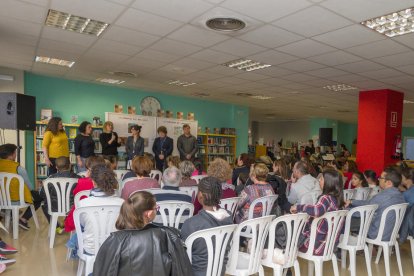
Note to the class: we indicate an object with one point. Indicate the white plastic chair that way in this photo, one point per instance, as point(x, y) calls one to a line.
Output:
point(399, 211)
point(216, 240)
point(102, 219)
point(310, 198)
point(335, 221)
point(355, 243)
point(374, 191)
point(230, 204)
point(62, 187)
point(175, 209)
point(411, 239)
point(6, 203)
point(198, 177)
point(191, 191)
point(243, 263)
point(78, 196)
point(156, 174)
point(348, 194)
point(294, 226)
point(82, 174)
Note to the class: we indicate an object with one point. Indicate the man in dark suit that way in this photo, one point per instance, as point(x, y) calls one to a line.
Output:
point(162, 147)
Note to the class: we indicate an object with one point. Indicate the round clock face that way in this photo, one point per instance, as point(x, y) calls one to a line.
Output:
point(150, 106)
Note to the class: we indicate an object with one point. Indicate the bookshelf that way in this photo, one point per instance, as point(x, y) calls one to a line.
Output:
point(211, 146)
point(71, 131)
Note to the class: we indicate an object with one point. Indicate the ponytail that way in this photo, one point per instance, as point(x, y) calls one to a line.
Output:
point(131, 215)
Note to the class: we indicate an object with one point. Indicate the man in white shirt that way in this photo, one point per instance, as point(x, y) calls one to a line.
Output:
point(304, 185)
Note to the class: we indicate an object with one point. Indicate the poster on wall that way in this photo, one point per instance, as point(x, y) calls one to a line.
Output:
point(175, 128)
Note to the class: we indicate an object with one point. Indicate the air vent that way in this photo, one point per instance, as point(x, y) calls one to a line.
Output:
point(123, 74)
point(225, 24)
point(241, 94)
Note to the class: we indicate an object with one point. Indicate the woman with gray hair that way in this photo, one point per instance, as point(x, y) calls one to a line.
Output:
point(187, 168)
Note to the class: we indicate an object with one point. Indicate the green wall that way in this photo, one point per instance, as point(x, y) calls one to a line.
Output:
point(67, 98)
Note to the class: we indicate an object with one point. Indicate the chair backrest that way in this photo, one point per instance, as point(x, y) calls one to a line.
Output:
point(82, 174)
point(120, 174)
point(216, 239)
point(266, 202)
point(294, 226)
point(375, 190)
point(5, 181)
point(230, 204)
point(198, 177)
point(171, 212)
point(365, 192)
point(366, 214)
point(80, 195)
point(62, 187)
point(190, 190)
point(399, 210)
point(102, 219)
point(310, 198)
point(156, 174)
point(334, 221)
point(348, 194)
point(260, 229)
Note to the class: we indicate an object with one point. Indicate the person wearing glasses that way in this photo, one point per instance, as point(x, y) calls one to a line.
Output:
point(139, 247)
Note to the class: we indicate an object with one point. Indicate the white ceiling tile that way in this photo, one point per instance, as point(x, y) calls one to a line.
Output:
point(116, 47)
point(272, 57)
point(129, 36)
point(105, 56)
point(23, 11)
point(213, 56)
point(312, 21)
point(16, 27)
point(409, 69)
point(146, 22)
point(275, 71)
point(369, 85)
point(378, 49)
point(233, 80)
point(180, 10)
point(270, 36)
point(254, 76)
point(93, 9)
point(174, 47)
point(335, 58)
point(43, 3)
point(266, 10)
point(16, 65)
point(275, 81)
point(45, 43)
point(136, 68)
point(407, 39)
point(18, 39)
point(197, 36)
point(16, 51)
point(360, 66)
point(296, 86)
point(326, 72)
point(122, 2)
point(57, 54)
point(397, 60)
point(349, 36)
point(192, 63)
point(345, 79)
point(225, 71)
point(360, 10)
point(238, 47)
point(67, 36)
point(204, 76)
point(178, 69)
point(157, 56)
point(301, 65)
point(140, 60)
point(306, 48)
point(383, 73)
point(299, 77)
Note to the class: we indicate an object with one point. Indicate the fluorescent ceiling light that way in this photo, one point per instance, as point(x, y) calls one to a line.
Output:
point(6, 78)
point(75, 23)
point(54, 61)
point(339, 87)
point(180, 83)
point(110, 81)
point(408, 102)
point(393, 24)
point(247, 65)
point(260, 97)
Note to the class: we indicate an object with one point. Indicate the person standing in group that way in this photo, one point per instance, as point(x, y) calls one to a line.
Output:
point(135, 143)
point(187, 144)
point(109, 140)
point(84, 145)
point(55, 143)
point(162, 147)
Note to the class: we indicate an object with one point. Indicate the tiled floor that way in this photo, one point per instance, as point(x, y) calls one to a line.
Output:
point(35, 258)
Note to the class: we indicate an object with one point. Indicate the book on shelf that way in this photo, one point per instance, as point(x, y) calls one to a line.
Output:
point(39, 144)
point(96, 133)
point(72, 145)
point(72, 158)
point(40, 157)
point(98, 147)
point(40, 130)
point(72, 133)
point(41, 171)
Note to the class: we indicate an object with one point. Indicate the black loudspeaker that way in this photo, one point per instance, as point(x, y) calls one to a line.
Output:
point(325, 136)
point(17, 111)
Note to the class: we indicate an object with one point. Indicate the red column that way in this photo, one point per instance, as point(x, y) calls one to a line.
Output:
point(379, 123)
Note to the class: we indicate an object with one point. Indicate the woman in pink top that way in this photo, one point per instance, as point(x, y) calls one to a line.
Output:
point(142, 166)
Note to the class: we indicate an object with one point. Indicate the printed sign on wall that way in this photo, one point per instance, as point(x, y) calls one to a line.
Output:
point(393, 119)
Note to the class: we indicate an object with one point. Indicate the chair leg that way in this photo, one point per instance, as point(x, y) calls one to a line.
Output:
point(32, 208)
point(261, 271)
point(370, 247)
point(90, 261)
point(368, 260)
point(80, 268)
point(297, 268)
point(334, 264)
point(277, 270)
point(352, 261)
point(387, 260)
point(379, 252)
point(4, 228)
point(319, 268)
point(343, 258)
point(69, 251)
point(311, 268)
point(52, 230)
point(412, 249)
point(7, 218)
point(15, 215)
point(397, 254)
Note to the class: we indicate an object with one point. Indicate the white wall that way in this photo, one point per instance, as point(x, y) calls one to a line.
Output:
point(288, 130)
point(13, 86)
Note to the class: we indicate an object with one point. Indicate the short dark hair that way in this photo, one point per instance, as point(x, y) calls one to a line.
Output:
point(62, 163)
point(162, 129)
point(211, 191)
point(136, 127)
point(302, 167)
point(83, 125)
point(186, 125)
point(6, 150)
point(408, 173)
point(393, 175)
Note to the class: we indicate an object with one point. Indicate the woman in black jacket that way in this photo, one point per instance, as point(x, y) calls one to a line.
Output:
point(109, 140)
point(140, 247)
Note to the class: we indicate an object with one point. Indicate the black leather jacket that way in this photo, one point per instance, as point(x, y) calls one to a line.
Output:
point(152, 250)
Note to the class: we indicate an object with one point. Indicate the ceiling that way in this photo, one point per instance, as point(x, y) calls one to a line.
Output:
point(309, 43)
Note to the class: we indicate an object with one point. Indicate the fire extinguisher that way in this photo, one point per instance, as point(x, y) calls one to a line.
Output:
point(397, 148)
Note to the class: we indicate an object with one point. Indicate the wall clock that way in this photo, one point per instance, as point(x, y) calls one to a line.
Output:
point(150, 106)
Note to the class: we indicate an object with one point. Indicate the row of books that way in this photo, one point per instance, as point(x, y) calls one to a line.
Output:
point(218, 149)
point(41, 171)
point(96, 133)
point(218, 141)
point(40, 130)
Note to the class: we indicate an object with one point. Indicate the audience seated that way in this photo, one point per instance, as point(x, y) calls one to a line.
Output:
point(407, 181)
point(209, 195)
point(259, 188)
point(170, 191)
point(187, 169)
point(358, 182)
point(389, 181)
point(303, 183)
point(173, 161)
point(277, 180)
point(198, 168)
point(330, 200)
point(243, 166)
point(349, 168)
point(140, 247)
point(142, 166)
